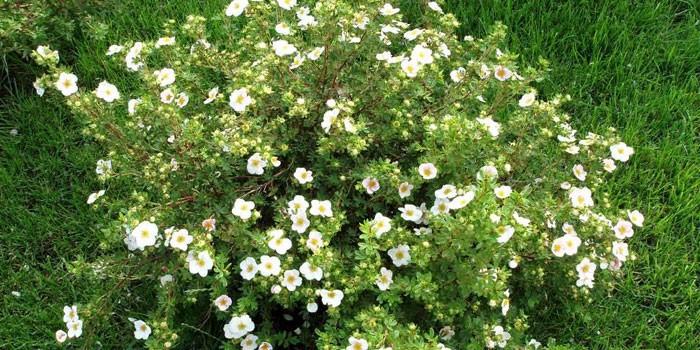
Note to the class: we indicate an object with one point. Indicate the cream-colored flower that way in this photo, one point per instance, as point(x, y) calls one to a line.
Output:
point(371, 185)
point(636, 218)
point(400, 255)
point(236, 8)
point(428, 171)
point(67, 83)
point(527, 100)
point(502, 73)
point(303, 176)
point(620, 151)
point(384, 279)
point(239, 100)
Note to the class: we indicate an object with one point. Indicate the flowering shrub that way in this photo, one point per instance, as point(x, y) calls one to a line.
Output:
point(331, 176)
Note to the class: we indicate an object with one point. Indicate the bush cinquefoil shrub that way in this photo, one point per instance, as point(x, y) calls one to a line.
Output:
point(325, 175)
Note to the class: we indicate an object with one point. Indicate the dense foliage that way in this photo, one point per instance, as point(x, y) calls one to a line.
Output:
point(331, 175)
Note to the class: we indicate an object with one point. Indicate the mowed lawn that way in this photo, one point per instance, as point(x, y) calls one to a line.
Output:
point(632, 65)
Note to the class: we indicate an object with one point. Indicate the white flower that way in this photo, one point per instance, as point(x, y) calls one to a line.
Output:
point(534, 343)
point(165, 279)
point(250, 342)
point(265, 346)
point(462, 201)
point(381, 224)
point(283, 28)
point(256, 165)
point(410, 67)
point(620, 250)
point(311, 272)
point(95, 196)
point(527, 100)
point(114, 49)
point(223, 302)
point(446, 192)
point(67, 84)
point(103, 166)
point(329, 118)
point(297, 61)
point(405, 189)
point(238, 327)
point(239, 100)
point(619, 151)
point(580, 197)
point(141, 330)
point(522, 221)
point(300, 222)
point(165, 41)
point(585, 268)
point(400, 255)
point(315, 241)
point(427, 171)
point(212, 95)
point(388, 10)
point(321, 208)
point(609, 165)
point(487, 171)
point(182, 100)
point(181, 239)
point(132, 56)
point(283, 48)
point(200, 264)
point(384, 279)
point(412, 34)
point(287, 4)
point(384, 56)
point(316, 53)
point(422, 54)
point(303, 176)
point(623, 229)
point(39, 88)
point(131, 105)
point(410, 212)
point(441, 206)
point(70, 313)
point(580, 172)
point(585, 280)
point(145, 234)
point(636, 217)
point(502, 192)
point(291, 280)
point(502, 73)
point(278, 242)
point(61, 336)
point(248, 268)
point(371, 185)
point(435, 7)
point(243, 209)
point(305, 20)
point(269, 266)
point(298, 205)
point(167, 96)
point(504, 233)
point(236, 8)
point(501, 336)
point(458, 74)
point(164, 77)
point(493, 127)
point(75, 328)
point(332, 298)
point(311, 307)
point(357, 344)
point(570, 242)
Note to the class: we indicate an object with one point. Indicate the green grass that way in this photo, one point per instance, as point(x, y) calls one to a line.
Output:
point(631, 65)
